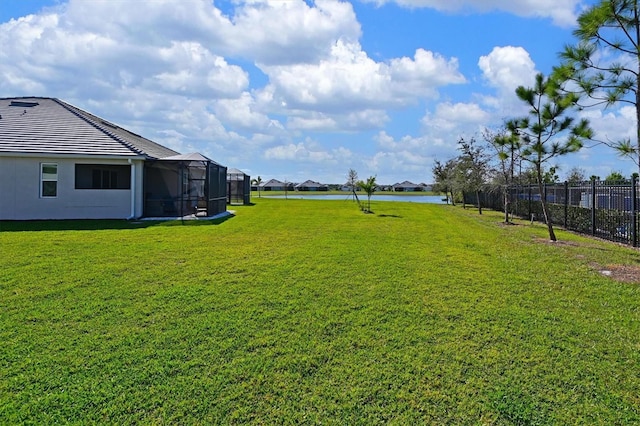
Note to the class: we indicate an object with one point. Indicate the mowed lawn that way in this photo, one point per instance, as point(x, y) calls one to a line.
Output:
point(301, 311)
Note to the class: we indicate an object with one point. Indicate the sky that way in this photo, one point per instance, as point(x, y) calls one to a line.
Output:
point(296, 90)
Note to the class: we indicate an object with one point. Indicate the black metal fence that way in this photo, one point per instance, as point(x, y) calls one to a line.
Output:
point(604, 209)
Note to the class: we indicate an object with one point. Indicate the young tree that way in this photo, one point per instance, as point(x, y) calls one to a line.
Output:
point(352, 182)
point(548, 132)
point(474, 167)
point(257, 182)
point(550, 175)
point(369, 187)
point(528, 176)
point(445, 176)
point(615, 177)
point(507, 147)
point(576, 175)
point(608, 29)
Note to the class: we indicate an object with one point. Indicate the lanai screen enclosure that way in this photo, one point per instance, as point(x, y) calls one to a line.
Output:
point(238, 187)
point(184, 185)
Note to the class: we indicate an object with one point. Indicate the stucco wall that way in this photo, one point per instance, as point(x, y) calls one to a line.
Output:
point(20, 192)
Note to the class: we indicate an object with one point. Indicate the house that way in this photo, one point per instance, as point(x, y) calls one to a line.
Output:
point(60, 162)
point(406, 186)
point(347, 188)
point(275, 185)
point(310, 185)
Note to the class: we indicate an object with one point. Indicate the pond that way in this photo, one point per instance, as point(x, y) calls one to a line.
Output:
point(431, 199)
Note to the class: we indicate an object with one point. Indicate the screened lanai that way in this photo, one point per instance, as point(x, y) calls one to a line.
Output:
point(238, 187)
point(182, 185)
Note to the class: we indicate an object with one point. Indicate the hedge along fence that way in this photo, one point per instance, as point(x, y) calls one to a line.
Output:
point(604, 209)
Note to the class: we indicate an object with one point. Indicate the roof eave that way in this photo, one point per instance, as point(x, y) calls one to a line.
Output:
point(71, 155)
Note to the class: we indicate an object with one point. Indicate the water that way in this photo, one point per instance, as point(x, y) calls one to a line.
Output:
point(431, 199)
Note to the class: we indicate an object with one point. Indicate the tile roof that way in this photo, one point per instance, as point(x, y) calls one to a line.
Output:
point(272, 182)
point(406, 184)
point(36, 125)
point(310, 183)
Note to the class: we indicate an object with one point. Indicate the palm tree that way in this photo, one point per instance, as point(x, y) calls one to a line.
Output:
point(257, 181)
point(369, 187)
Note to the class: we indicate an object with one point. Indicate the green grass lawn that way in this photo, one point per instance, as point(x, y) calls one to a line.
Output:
point(302, 311)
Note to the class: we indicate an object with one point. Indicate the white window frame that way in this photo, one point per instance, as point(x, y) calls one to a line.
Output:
point(48, 179)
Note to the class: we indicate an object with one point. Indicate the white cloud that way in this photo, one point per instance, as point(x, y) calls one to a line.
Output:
point(357, 120)
point(243, 113)
point(266, 31)
point(425, 147)
point(306, 152)
point(349, 79)
point(365, 119)
point(406, 143)
point(152, 23)
point(286, 32)
point(612, 125)
point(414, 155)
point(460, 117)
point(312, 121)
point(562, 12)
point(508, 67)
point(145, 53)
point(504, 69)
point(57, 48)
point(192, 70)
point(388, 165)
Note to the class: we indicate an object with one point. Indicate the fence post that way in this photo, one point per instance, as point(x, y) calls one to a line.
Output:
point(593, 207)
point(544, 194)
point(529, 203)
point(566, 203)
point(634, 208)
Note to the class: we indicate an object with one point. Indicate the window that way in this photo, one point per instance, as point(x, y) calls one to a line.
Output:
point(102, 176)
point(48, 180)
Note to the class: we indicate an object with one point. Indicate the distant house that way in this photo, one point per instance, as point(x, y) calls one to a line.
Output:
point(347, 187)
point(406, 186)
point(275, 185)
point(310, 185)
point(60, 162)
point(426, 187)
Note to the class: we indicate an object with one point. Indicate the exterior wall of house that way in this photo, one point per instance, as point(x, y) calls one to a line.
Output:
point(312, 188)
point(20, 197)
point(407, 189)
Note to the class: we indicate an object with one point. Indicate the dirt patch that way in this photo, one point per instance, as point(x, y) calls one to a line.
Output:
point(559, 243)
point(622, 273)
point(503, 223)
